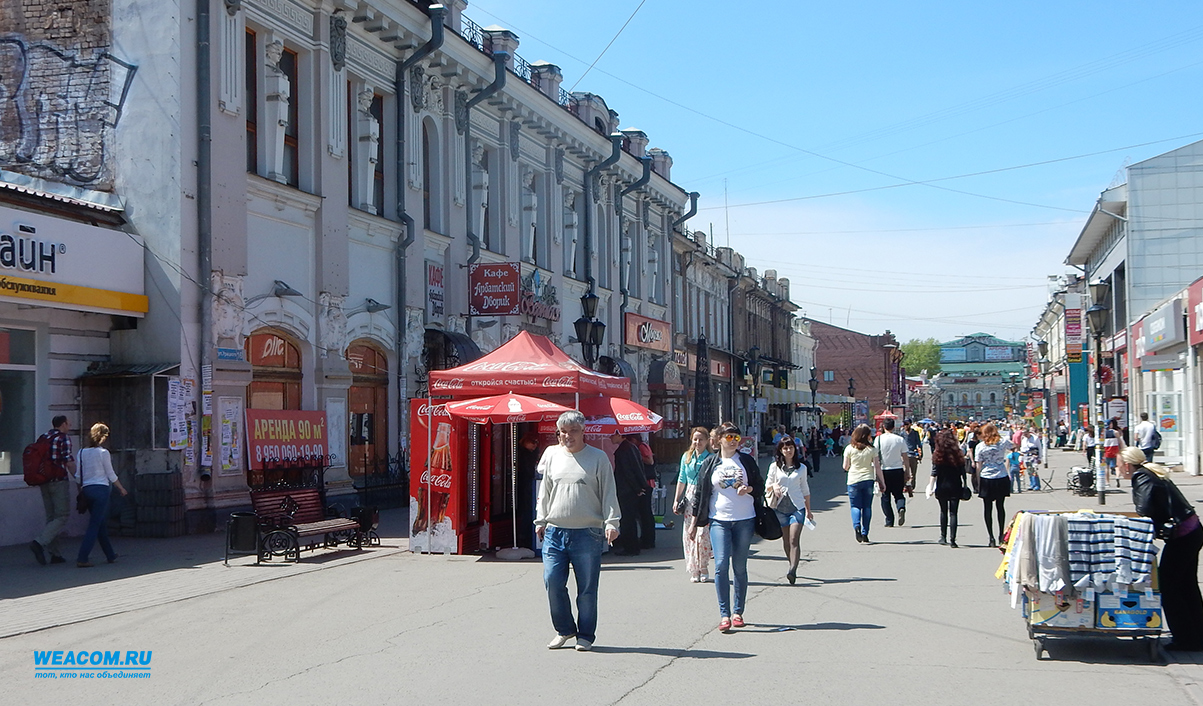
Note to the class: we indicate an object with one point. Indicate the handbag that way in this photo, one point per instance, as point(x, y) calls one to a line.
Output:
point(767, 524)
point(82, 502)
point(966, 492)
point(772, 499)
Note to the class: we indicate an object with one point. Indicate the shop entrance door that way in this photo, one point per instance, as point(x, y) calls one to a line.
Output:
point(1167, 415)
point(367, 401)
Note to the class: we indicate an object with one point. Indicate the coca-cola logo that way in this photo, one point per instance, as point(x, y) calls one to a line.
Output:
point(449, 384)
point(565, 381)
point(510, 367)
point(632, 417)
point(443, 480)
point(439, 410)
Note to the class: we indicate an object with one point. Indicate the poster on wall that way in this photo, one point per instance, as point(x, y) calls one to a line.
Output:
point(434, 292)
point(1073, 328)
point(434, 493)
point(230, 414)
point(284, 435)
point(206, 434)
point(336, 422)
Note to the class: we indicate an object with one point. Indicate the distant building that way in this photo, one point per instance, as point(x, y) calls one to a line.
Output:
point(976, 371)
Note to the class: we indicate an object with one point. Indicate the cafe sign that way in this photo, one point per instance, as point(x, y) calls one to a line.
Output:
point(538, 298)
point(493, 289)
point(644, 332)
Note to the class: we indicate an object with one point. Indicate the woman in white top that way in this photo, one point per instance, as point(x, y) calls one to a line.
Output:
point(96, 480)
point(787, 485)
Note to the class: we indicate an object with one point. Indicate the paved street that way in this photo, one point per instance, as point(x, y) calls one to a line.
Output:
point(903, 619)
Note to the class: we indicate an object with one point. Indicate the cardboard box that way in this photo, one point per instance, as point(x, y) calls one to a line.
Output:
point(1133, 611)
point(1046, 610)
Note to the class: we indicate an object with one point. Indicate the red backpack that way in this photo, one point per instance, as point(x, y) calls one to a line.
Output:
point(39, 468)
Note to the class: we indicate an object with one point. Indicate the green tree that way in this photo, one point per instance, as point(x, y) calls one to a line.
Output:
point(919, 355)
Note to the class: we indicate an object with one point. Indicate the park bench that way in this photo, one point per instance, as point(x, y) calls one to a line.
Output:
point(287, 516)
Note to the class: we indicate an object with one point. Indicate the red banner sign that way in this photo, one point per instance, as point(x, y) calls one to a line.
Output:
point(648, 333)
point(1194, 318)
point(277, 436)
point(437, 459)
point(493, 289)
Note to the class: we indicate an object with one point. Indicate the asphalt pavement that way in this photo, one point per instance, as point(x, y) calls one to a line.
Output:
point(903, 620)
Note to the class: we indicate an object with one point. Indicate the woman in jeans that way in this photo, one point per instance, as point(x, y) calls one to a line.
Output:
point(96, 478)
point(994, 482)
point(863, 467)
point(947, 483)
point(787, 482)
point(730, 493)
point(697, 548)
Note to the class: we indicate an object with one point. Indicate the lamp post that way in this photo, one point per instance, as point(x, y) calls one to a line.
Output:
point(887, 378)
point(851, 399)
point(1044, 367)
point(754, 368)
point(1097, 316)
point(814, 389)
point(589, 331)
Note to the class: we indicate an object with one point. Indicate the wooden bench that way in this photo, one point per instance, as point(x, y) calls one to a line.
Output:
point(287, 516)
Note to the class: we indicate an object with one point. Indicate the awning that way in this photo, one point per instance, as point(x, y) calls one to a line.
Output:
point(777, 395)
point(616, 366)
point(129, 371)
point(665, 375)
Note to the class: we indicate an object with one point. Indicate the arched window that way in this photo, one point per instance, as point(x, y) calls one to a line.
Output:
point(977, 398)
point(964, 399)
point(275, 371)
point(367, 405)
point(993, 398)
point(951, 399)
point(431, 179)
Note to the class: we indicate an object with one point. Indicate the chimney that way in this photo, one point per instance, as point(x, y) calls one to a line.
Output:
point(501, 39)
point(547, 77)
point(662, 164)
point(636, 141)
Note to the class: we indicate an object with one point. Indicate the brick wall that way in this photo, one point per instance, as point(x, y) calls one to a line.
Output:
point(851, 354)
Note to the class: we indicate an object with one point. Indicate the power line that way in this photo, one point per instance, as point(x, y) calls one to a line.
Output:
point(603, 51)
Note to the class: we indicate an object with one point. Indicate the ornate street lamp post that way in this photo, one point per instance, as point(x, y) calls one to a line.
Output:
point(589, 331)
point(1045, 364)
point(851, 399)
point(1097, 316)
point(814, 389)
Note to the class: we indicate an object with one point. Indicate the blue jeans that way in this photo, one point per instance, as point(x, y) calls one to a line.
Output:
point(582, 548)
point(1017, 481)
point(860, 495)
point(98, 523)
point(731, 540)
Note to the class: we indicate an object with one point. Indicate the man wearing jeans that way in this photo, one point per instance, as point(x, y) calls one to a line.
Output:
point(56, 494)
point(577, 514)
point(1142, 436)
point(891, 450)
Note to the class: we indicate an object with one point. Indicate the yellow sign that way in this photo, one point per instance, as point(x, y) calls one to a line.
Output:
point(72, 296)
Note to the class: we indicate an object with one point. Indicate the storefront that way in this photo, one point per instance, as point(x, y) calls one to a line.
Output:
point(1160, 362)
point(67, 289)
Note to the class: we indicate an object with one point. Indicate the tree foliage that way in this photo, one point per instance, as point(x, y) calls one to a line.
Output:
point(919, 355)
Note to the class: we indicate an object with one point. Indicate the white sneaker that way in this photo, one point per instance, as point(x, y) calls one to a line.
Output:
point(558, 641)
point(583, 645)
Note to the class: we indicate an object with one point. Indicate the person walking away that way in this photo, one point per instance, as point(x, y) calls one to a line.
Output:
point(1016, 468)
point(697, 546)
point(863, 469)
point(1112, 441)
point(730, 494)
point(816, 450)
point(97, 480)
point(947, 483)
point(1175, 522)
point(1142, 434)
point(891, 455)
point(994, 484)
point(56, 494)
point(787, 490)
point(1088, 444)
point(647, 517)
point(830, 445)
point(914, 452)
point(1030, 446)
point(577, 513)
point(630, 485)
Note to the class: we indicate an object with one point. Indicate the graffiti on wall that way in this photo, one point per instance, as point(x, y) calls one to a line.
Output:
point(58, 110)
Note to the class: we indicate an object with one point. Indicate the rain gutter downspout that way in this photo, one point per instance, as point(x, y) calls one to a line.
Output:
point(499, 73)
point(204, 192)
point(615, 152)
point(399, 254)
point(623, 262)
point(693, 209)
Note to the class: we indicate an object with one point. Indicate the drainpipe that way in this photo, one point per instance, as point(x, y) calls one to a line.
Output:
point(693, 209)
point(499, 73)
point(204, 192)
point(403, 242)
point(615, 152)
point(623, 262)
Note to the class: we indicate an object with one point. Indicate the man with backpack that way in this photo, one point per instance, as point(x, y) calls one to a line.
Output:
point(51, 453)
point(1147, 437)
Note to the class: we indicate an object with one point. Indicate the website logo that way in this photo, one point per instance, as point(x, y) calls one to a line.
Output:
point(92, 664)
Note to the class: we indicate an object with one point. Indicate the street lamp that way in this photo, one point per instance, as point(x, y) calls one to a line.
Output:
point(753, 357)
point(589, 331)
point(1044, 366)
point(814, 389)
point(1097, 316)
point(851, 398)
point(889, 348)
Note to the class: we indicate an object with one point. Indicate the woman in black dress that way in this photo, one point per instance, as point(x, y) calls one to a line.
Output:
point(947, 483)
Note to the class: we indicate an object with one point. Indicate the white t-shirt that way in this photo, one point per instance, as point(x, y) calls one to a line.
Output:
point(1143, 434)
point(725, 501)
point(892, 448)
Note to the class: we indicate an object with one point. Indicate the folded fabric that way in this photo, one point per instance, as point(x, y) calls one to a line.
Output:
point(1091, 549)
point(1052, 553)
point(1134, 551)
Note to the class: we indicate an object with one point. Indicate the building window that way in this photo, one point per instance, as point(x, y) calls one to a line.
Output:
point(486, 235)
point(252, 103)
point(993, 398)
point(377, 111)
point(367, 404)
point(288, 66)
point(18, 371)
point(951, 400)
point(427, 179)
point(828, 376)
point(275, 371)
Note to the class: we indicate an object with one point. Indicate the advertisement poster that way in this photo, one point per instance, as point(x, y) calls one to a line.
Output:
point(336, 422)
point(206, 451)
point(1073, 328)
point(281, 435)
point(493, 289)
point(231, 434)
point(434, 489)
point(434, 292)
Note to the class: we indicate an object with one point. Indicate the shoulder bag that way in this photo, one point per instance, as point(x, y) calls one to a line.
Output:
point(767, 524)
point(82, 503)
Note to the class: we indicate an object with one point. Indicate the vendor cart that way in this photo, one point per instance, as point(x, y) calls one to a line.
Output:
point(1149, 636)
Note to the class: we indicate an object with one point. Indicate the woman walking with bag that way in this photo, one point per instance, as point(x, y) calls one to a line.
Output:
point(948, 483)
point(994, 482)
point(863, 467)
point(96, 480)
point(697, 548)
point(730, 496)
point(788, 492)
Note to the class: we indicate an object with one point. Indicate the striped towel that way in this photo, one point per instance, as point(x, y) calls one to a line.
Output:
point(1134, 552)
point(1091, 549)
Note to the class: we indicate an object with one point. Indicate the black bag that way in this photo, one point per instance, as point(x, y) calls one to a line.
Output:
point(767, 524)
point(1155, 439)
point(82, 502)
point(966, 492)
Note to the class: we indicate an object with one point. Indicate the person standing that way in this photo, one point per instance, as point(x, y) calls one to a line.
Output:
point(630, 486)
point(787, 483)
point(1031, 448)
point(97, 480)
point(815, 446)
point(647, 517)
point(56, 494)
point(1143, 436)
point(577, 514)
point(994, 483)
point(948, 483)
point(730, 494)
point(863, 468)
point(1112, 442)
point(1016, 468)
point(891, 455)
point(1088, 444)
point(697, 547)
point(1176, 523)
point(914, 452)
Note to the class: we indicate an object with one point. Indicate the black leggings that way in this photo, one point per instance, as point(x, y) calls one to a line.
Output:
point(1000, 506)
point(948, 517)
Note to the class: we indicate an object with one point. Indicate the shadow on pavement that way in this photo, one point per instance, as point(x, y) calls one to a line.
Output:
point(768, 627)
point(667, 652)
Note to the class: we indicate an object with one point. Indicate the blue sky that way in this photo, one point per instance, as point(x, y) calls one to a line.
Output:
point(800, 103)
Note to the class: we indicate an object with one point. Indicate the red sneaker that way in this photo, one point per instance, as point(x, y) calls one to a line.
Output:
point(737, 621)
point(724, 625)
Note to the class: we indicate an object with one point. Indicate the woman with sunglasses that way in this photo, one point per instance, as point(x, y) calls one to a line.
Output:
point(730, 494)
point(788, 485)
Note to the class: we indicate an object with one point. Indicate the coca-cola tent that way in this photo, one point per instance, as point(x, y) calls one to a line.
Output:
point(527, 364)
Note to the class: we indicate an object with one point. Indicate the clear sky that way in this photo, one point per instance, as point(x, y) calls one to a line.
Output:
point(815, 117)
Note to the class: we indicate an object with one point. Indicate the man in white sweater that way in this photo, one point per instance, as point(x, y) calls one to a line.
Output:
point(577, 513)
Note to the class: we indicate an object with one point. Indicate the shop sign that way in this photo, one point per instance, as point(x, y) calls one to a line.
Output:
point(1194, 303)
point(1138, 341)
point(1073, 328)
point(280, 436)
point(1119, 341)
point(644, 332)
point(435, 302)
point(1163, 328)
point(70, 265)
point(1117, 408)
point(1155, 363)
point(681, 358)
point(996, 354)
point(718, 369)
point(493, 289)
point(538, 298)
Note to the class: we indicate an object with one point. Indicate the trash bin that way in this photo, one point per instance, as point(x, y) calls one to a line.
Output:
point(242, 534)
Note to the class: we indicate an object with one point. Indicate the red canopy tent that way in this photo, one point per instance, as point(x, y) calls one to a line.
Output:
point(527, 364)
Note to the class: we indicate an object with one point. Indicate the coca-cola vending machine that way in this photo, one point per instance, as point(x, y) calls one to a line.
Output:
point(435, 488)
